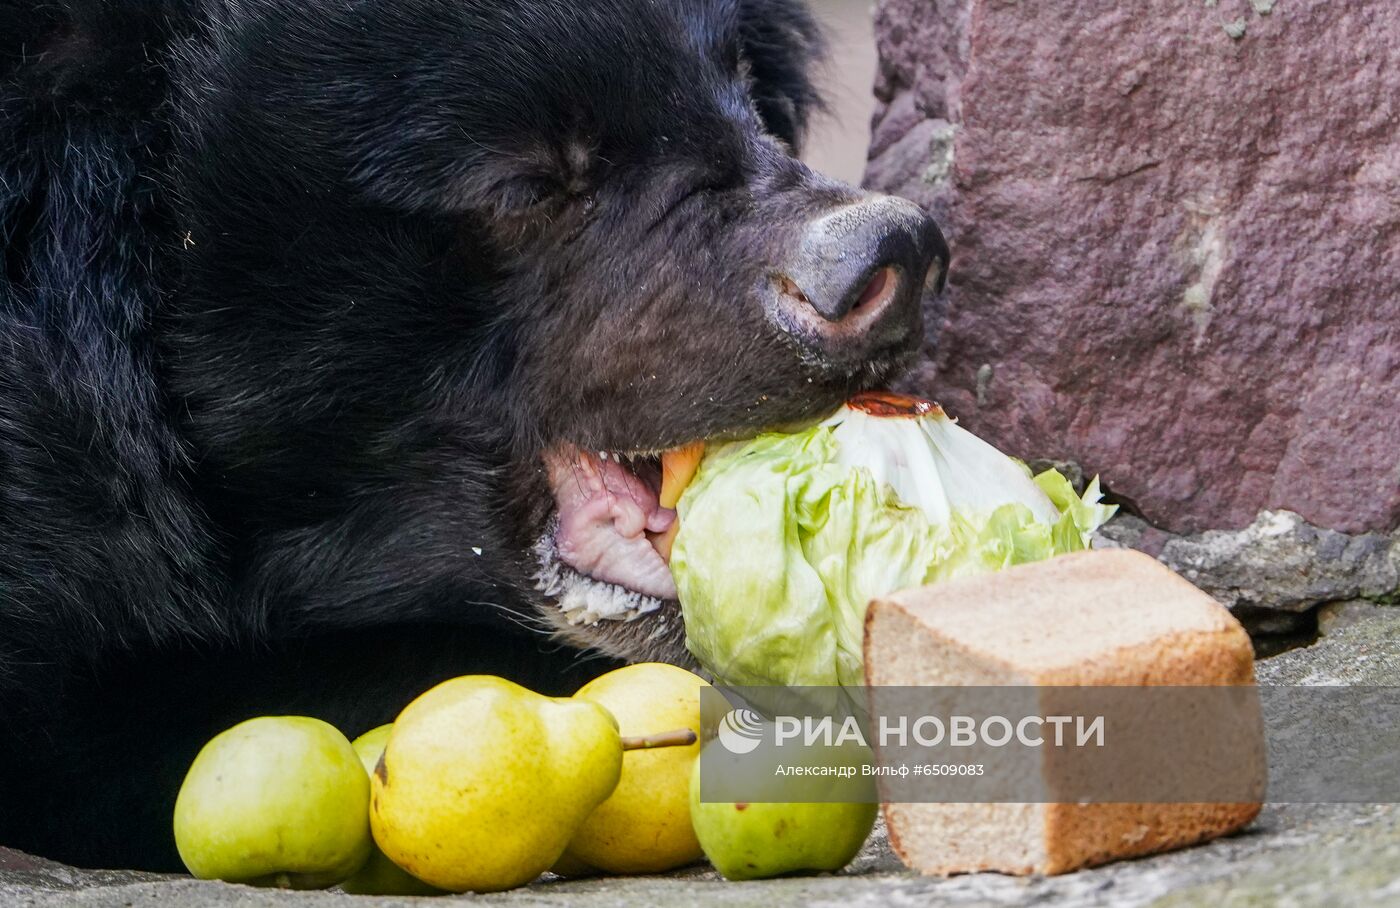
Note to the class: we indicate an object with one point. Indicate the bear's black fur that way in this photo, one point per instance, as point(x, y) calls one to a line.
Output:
point(295, 292)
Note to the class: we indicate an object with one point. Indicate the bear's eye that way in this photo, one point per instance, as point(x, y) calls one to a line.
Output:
point(545, 179)
point(575, 165)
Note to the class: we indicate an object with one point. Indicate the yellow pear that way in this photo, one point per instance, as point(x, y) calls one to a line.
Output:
point(644, 826)
point(381, 876)
point(483, 782)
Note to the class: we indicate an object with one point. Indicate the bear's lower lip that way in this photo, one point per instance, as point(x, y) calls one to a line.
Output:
point(604, 556)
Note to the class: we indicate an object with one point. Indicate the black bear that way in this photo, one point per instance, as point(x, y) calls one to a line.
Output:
point(338, 341)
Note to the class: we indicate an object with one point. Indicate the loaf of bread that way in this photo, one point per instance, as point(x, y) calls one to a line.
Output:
point(1090, 619)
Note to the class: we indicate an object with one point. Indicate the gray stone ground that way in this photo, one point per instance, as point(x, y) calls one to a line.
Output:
point(1293, 855)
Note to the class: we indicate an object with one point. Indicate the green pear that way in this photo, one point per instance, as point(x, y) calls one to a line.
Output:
point(279, 801)
point(754, 840)
point(483, 782)
point(369, 747)
point(381, 876)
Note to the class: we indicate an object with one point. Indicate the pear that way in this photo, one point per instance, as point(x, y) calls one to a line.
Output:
point(379, 875)
point(751, 841)
point(644, 825)
point(277, 801)
point(483, 782)
point(369, 747)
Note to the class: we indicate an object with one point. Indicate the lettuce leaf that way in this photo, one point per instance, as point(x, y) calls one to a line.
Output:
point(784, 539)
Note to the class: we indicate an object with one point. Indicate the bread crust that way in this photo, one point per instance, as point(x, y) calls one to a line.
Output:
point(1157, 630)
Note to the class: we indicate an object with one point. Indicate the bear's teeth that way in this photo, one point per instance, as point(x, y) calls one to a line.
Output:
point(584, 600)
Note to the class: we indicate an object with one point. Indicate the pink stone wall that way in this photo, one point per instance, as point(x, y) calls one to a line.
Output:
point(1176, 231)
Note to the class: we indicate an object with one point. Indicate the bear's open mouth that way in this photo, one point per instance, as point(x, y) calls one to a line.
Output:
point(606, 553)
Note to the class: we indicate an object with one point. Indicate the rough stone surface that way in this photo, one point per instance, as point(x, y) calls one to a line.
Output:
point(1360, 646)
point(1281, 562)
point(1278, 564)
point(1294, 854)
point(1176, 233)
point(1301, 855)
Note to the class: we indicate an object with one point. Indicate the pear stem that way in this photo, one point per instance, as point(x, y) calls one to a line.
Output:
point(681, 737)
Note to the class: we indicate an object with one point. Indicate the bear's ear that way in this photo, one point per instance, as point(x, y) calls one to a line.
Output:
point(781, 44)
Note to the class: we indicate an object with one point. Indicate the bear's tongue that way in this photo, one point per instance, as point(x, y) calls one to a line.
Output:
point(605, 513)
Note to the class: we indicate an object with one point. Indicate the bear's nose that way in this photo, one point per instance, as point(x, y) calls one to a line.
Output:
point(853, 287)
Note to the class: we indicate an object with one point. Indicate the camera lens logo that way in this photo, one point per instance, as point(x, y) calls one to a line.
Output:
point(741, 731)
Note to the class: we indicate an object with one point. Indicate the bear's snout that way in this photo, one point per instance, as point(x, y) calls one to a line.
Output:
point(852, 288)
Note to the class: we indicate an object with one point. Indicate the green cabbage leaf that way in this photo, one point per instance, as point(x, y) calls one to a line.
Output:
point(785, 538)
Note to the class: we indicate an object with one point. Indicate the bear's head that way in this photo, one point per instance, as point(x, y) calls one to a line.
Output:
point(452, 273)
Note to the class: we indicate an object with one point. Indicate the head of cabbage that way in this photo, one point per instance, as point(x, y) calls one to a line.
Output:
point(785, 538)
